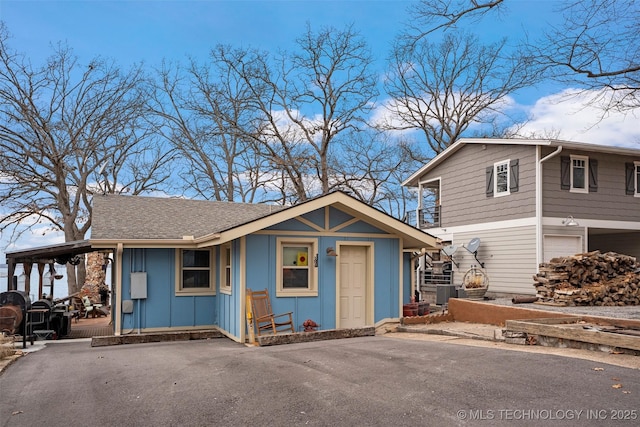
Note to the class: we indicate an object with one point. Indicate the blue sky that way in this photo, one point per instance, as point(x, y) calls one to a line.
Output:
point(149, 31)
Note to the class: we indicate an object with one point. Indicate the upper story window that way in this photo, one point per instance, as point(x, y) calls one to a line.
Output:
point(579, 174)
point(502, 178)
point(632, 178)
point(225, 270)
point(637, 180)
point(194, 272)
point(297, 274)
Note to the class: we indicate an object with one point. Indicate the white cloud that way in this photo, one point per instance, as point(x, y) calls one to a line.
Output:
point(571, 115)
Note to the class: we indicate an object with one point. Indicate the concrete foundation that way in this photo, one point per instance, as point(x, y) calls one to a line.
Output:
point(154, 337)
point(330, 334)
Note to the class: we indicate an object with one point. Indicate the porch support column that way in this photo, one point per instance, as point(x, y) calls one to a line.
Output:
point(116, 306)
point(10, 273)
point(27, 280)
point(41, 267)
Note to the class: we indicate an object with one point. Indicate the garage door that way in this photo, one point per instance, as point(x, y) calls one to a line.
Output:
point(559, 246)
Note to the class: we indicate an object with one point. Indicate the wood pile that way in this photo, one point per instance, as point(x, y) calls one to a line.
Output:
point(591, 278)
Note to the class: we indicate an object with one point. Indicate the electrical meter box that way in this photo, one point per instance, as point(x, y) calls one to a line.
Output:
point(127, 306)
point(139, 285)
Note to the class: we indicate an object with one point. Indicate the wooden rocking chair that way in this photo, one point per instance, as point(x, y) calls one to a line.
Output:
point(263, 317)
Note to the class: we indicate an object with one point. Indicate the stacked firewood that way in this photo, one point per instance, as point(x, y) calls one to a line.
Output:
point(592, 278)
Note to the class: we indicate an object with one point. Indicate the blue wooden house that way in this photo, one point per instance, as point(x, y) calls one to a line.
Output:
point(186, 264)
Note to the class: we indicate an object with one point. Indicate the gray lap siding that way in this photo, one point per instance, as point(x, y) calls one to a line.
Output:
point(609, 202)
point(463, 184)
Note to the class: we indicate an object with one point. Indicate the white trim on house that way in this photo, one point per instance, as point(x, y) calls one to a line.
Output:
point(596, 223)
point(118, 303)
point(538, 196)
point(446, 232)
point(242, 280)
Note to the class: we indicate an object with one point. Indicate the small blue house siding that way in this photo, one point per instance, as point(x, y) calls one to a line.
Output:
point(261, 271)
point(406, 274)
point(231, 318)
point(162, 308)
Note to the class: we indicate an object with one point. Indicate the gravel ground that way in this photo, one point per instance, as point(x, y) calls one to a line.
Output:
point(624, 312)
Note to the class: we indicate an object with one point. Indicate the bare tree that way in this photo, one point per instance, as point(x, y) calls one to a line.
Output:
point(372, 166)
point(67, 132)
point(596, 48)
point(205, 113)
point(444, 88)
point(307, 101)
point(429, 16)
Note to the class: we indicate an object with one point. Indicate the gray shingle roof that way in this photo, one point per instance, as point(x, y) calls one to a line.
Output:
point(118, 217)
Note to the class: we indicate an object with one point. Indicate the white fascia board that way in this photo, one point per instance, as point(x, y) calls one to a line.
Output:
point(496, 225)
point(595, 223)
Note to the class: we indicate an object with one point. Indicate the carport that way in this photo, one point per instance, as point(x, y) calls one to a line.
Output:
point(44, 317)
point(614, 240)
point(62, 253)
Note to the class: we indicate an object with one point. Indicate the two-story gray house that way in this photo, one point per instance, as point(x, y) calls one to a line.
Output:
point(528, 201)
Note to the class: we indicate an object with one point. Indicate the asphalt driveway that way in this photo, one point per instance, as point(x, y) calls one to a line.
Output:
point(361, 381)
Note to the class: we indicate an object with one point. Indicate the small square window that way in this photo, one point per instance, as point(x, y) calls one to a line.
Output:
point(297, 273)
point(194, 271)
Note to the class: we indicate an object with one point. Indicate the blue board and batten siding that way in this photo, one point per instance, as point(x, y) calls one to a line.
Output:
point(164, 309)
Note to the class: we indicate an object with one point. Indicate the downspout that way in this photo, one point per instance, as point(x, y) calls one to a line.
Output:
point(539, 200)
point(117, 305)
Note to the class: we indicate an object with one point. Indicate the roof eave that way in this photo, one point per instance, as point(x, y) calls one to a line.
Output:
point(185, 242)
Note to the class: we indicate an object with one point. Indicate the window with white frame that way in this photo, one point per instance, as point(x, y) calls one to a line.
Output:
point(579, 174)
point(225, 270)
point(637, 178)
point(297, 272)
point(501, 182)
point(194, 271)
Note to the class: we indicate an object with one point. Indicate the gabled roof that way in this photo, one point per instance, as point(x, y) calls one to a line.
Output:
point(413, 180)
point(142, 221)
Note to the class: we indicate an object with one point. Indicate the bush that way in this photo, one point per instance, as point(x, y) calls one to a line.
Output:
point(6, 347)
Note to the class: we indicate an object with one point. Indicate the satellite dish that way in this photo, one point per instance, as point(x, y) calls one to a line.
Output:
point(473, 245)
point(449, 250)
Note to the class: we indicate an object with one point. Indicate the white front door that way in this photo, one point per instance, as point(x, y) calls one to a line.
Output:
point(353, 286)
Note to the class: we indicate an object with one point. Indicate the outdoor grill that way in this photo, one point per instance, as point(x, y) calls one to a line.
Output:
point(49, 320)
point(14, 311)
